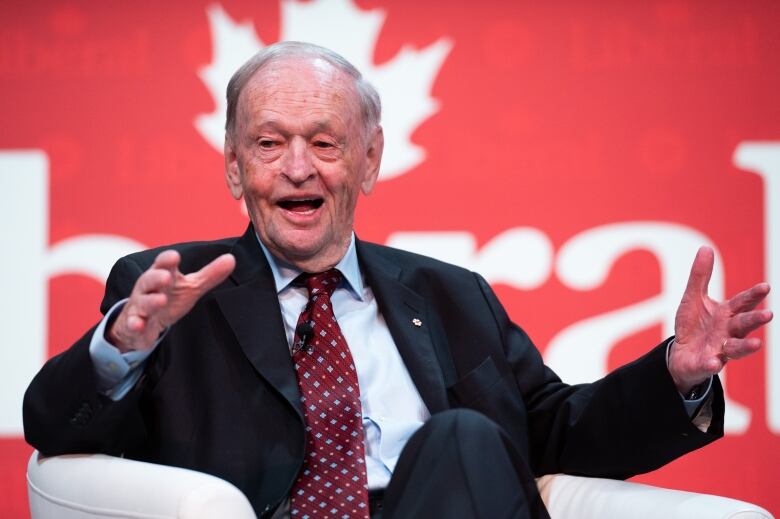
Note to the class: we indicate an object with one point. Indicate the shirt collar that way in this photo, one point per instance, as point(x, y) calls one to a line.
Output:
point(285, 273)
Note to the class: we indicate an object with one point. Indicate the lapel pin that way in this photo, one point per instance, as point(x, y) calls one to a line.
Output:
point(416, 322)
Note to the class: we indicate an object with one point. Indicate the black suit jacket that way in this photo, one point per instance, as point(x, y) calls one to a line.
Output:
point(220, 395)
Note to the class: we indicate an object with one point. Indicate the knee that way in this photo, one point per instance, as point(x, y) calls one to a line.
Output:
point(463, 424)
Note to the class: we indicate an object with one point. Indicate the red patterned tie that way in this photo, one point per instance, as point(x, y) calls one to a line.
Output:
point(332, 482)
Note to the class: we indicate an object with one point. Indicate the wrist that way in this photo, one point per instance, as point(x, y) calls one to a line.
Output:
point(109, 333)
point(686, 386)
point(115, 340)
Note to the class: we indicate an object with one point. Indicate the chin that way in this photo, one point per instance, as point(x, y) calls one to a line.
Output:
point(301, 249)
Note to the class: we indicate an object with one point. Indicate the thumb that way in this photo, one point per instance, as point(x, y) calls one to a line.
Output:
point(701, 272)
point(214, 273)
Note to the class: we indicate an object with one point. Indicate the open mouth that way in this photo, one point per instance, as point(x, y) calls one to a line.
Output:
point(303, 205)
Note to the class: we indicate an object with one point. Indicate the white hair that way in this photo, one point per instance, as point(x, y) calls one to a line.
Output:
point(370, 105)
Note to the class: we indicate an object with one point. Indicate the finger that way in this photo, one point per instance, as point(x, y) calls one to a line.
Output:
point(214, 273)
point(140, 313)
point(167, 259)
point(748, 299)
point(701, 272)
point(153, 280)
point(738, 348)
point(742, 324)
point(142, 308)
point(147, 305)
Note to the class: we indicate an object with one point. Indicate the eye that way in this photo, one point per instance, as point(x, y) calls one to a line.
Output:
point(323, 144)
point(266, 143)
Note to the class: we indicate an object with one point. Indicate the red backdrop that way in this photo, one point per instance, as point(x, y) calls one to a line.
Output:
point(575, 153)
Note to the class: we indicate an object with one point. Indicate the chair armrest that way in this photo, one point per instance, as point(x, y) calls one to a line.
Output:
point(95, 486)
point(573, 497)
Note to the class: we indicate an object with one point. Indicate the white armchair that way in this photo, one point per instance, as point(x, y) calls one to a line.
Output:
point(98, 486)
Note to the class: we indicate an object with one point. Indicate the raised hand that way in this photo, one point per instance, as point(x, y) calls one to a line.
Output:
point(161, 296)
point(709, 333)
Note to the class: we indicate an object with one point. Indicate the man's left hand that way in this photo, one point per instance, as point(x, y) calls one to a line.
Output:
point(709, 333)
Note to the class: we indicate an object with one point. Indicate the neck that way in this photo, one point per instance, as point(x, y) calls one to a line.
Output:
point(320, 262)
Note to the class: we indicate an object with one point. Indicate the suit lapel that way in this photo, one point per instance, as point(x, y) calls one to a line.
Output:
point(252, 311)
point(402, 307)
point(251, 308)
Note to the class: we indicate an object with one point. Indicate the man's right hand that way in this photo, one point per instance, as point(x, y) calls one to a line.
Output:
point(161, 296)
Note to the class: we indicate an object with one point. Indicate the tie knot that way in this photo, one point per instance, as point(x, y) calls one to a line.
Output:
point(321, 282)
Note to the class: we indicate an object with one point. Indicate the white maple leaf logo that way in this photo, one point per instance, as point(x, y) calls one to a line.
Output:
point(404, 83)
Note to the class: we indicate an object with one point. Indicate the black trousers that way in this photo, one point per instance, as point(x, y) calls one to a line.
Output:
point(460, 464)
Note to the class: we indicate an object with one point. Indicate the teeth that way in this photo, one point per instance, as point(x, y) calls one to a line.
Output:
point(301, 205)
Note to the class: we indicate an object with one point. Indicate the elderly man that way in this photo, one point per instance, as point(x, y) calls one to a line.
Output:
point(329, 377)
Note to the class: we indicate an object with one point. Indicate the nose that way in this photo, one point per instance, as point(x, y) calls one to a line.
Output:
point(298, 166)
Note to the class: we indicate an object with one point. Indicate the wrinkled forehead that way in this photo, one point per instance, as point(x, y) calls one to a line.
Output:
point(300, 84)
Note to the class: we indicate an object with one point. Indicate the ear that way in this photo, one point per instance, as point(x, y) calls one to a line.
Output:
point(232, 170)
point(376, 144)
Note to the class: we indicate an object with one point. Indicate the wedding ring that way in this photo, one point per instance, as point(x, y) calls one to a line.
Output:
point(723, 355)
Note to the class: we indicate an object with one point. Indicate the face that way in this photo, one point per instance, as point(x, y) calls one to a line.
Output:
point(300, 157)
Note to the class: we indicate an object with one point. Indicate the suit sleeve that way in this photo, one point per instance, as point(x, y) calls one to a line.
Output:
point(63, 410)
point(630, 422)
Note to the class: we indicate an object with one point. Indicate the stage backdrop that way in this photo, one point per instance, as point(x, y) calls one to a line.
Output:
point(574, 153)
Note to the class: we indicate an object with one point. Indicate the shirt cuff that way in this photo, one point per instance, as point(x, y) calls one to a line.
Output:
point(116, 372)
point(696, 396)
